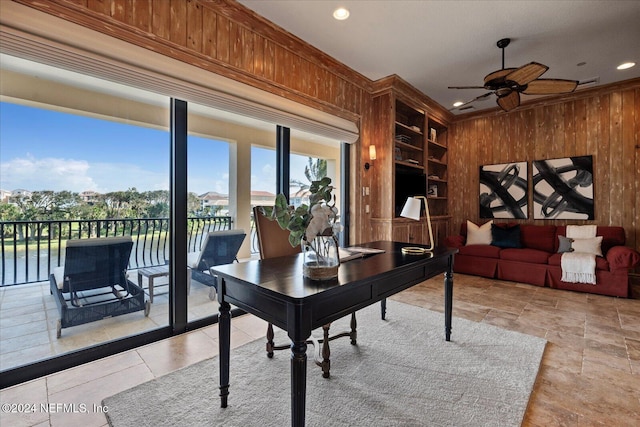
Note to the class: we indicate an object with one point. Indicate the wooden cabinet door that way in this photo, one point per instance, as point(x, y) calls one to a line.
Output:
point(410, 233)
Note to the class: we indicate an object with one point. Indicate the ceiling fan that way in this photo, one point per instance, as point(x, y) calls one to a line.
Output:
point(508, 83)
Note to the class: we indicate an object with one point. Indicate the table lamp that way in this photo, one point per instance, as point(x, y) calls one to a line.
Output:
point(411, 210)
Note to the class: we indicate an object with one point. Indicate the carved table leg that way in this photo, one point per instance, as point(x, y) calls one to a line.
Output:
point(298, 382)
point(326, 352)
point(354, 333)
point(224, 336)
point(270, 343)
point(448, 303)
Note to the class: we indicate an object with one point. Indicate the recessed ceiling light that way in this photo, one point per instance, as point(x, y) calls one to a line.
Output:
point(341, 14)
point(458, 103)
point(626, 65)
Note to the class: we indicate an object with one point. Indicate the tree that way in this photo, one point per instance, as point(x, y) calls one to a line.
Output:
point(315, 170)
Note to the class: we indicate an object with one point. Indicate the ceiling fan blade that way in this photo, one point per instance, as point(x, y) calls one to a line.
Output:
point(527, 73)
point(550, 86)
point(465, 87)
point(495, 79)
point(510, 101)
point(474, 99)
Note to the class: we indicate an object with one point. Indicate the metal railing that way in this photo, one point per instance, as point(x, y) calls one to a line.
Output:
point(30, 250)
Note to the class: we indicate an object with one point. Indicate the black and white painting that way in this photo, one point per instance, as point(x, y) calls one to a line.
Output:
point(563, 188)
point(503, 191)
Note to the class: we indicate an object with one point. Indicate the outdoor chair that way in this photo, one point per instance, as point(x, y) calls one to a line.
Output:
point(93, 283)
point(219, 247)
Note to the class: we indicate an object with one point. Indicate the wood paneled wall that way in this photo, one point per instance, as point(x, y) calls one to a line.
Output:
point(224, 37)
point(603, 122)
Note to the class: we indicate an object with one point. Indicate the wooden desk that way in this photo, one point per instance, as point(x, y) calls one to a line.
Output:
point(274, 290)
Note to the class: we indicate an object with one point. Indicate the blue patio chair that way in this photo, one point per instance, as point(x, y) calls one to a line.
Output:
point(93, 284)
point(219, 247)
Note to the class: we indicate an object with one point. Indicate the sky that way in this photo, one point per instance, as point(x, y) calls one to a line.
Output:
point(50, 150)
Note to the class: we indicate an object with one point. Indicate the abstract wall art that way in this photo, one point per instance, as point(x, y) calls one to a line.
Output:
point(563, 188)
point(503, 191)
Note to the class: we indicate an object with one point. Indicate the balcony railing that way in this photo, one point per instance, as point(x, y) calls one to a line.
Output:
point(30, 250)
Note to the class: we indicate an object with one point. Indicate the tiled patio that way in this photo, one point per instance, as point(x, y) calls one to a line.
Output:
point(28, 319)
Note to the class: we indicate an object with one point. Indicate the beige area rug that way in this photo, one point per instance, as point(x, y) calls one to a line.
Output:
point(402, 372)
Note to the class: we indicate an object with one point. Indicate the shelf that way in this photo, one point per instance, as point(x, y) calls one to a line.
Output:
point(436, 198)
point(437, 144)
point(409, 164)
point(438, 162)
point(406, 146)
point(437, 179)
point(409, 128)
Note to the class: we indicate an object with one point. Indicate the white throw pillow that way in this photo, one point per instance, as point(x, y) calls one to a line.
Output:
point(588, 246)
point(479, 235)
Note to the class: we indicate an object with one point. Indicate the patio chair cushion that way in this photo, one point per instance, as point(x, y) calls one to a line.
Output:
point(224, 253)
point(58, 273)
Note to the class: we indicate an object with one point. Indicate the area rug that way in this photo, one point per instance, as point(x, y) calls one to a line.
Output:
point(402, 372)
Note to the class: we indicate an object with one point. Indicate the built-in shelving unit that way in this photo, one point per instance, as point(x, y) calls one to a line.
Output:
point(413, 162)
point(437, 164)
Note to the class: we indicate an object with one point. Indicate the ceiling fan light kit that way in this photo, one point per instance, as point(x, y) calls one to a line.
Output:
point(508, 83)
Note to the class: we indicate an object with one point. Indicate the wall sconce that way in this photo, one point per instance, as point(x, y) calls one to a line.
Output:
point(411, 210)
point(372, 156)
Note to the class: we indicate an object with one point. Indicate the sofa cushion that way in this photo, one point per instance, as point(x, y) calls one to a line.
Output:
point(485, 251)
point(611, 236)
point(564, 244)
point(601, 263)
point(479, 235)
point(505, 236)
point(533, 256)
point(541, 237)
point(587, 246)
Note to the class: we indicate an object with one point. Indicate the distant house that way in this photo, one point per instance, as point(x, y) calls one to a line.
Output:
point(4, 196)
point(212, 198)
point(89, 196)
point(260, 198)
point(21, 193)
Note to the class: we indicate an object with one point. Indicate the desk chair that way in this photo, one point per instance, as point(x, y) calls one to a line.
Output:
point(273, 242)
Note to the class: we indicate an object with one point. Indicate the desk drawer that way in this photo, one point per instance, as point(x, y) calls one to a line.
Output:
point(340, 305)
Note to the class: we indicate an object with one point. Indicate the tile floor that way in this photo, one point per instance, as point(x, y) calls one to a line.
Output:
point(589, 376)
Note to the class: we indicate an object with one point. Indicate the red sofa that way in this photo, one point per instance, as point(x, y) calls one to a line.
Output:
point(538, 263)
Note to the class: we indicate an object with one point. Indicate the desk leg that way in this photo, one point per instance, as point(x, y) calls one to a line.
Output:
point(298, 382)
point(448, 303)
point(224, 338)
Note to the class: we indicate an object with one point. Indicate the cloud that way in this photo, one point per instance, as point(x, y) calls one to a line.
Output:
point(58, 174)
point(46, 174)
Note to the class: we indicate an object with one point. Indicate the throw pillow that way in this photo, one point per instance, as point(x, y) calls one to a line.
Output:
point(564, 244)
point(505, 237)
point(479, 235)
point(592, 245)
point(588, 246)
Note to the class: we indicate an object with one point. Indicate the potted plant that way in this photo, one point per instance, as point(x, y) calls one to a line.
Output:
point(312, 226)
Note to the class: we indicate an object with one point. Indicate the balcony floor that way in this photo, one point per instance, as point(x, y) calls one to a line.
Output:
point(589, 373)
point(29, 316)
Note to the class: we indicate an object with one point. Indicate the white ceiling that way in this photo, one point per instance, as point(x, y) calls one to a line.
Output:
point(436, 44)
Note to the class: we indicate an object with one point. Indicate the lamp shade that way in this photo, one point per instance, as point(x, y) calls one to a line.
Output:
point(411, 208)
point(372, 152)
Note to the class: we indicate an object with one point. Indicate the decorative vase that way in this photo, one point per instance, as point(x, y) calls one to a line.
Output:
point(321, 259)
